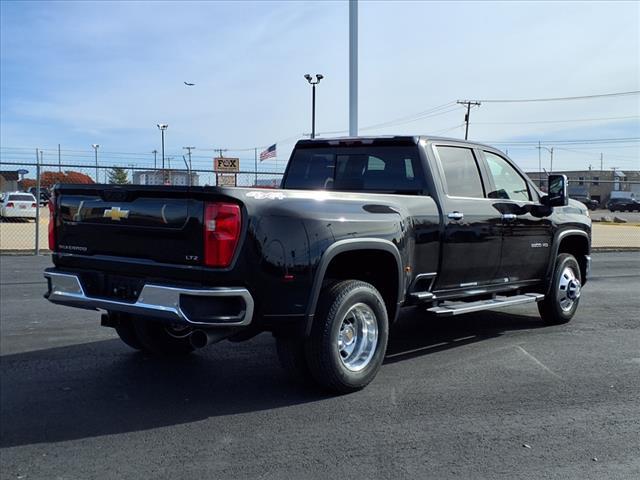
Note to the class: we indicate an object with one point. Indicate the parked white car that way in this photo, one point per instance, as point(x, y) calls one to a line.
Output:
point(18, 205)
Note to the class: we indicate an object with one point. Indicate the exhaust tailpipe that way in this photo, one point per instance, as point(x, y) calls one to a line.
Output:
point(202, 338)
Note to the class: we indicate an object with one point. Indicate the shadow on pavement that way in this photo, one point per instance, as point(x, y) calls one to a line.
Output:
point(104, 388)
point(417, 334)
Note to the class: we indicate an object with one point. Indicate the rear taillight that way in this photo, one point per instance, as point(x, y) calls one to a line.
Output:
point(10, 204)
point(52, 224)
point(33, 205)
point(221, 233)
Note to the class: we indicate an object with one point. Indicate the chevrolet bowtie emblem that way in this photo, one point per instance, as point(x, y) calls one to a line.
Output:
point(114, 213)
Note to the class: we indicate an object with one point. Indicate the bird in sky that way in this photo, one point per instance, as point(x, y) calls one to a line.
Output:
point(189, 84)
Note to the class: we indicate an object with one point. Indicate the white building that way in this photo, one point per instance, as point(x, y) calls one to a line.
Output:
point(162, 177)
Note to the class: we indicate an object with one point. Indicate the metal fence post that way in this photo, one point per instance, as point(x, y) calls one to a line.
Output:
point(37, 252)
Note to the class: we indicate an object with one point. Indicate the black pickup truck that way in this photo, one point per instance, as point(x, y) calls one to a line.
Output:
point(360, 228)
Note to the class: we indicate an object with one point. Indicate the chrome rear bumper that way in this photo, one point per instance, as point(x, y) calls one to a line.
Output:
point(157, 301)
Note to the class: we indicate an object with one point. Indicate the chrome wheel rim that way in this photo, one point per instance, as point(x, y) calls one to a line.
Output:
point(358, 337)
point(568, 289)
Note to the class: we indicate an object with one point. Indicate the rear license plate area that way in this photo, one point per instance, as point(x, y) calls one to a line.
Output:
point(114, 287)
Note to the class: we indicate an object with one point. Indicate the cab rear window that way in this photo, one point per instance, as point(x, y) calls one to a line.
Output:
point(384, 169)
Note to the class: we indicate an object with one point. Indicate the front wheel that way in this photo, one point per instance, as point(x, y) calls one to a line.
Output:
point(349, 336)
point(560, 304)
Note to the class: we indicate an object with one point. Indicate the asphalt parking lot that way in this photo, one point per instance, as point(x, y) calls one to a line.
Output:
point(488, 395)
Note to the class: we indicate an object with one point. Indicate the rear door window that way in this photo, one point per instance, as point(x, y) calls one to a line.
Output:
point(461, 172)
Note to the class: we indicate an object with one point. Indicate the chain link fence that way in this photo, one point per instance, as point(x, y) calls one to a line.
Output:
point(619, 229)
point(23, 233)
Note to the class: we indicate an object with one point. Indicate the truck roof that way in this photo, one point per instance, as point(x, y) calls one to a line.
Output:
point(382, 140)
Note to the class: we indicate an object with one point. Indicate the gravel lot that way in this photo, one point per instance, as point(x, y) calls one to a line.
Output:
point(489, 395)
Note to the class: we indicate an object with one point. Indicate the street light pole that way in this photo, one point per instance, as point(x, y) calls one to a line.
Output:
point(313, 84)
point(95, 150)
point(353, 68)
point(163, 127)
point(155, 153)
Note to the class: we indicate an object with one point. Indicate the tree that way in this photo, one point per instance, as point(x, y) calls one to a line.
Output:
point(118, 175)
point(49, 179)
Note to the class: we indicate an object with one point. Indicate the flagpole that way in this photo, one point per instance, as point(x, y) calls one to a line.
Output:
point(255, 161)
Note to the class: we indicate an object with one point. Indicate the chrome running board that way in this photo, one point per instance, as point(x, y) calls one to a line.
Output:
point(458, 308)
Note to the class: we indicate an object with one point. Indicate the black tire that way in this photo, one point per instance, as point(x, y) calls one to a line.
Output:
point(127, 333)
point(325, 361)
point(291, 353)
point(551, 308)
point(159, 338)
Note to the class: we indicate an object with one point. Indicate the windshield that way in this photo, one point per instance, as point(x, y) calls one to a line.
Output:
point(386, 169)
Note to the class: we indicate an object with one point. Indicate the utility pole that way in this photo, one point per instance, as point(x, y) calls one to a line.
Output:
point(601, 163)
point(155, 156)
point(539, 164)
point(59, 161)
point(468, 103)
point(353, 68)
point(188, 149)
point(188, 165)
point(550, 150)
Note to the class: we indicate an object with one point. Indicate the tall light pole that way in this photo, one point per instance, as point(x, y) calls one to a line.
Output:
point(313, 100)
point(95, 151)
point(155, 153)
point(353, 68)
point(162, 127)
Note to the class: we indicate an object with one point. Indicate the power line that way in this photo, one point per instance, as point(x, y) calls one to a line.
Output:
point(582, 141)
point(559, 121)
point(430, 112)
point(559, 99)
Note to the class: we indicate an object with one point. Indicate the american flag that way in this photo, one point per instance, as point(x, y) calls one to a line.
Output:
point(268, 153)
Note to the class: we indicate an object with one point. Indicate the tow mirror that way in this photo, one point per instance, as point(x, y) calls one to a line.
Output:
point(557, 192)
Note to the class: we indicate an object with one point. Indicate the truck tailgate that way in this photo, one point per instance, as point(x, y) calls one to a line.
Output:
point(155, 223)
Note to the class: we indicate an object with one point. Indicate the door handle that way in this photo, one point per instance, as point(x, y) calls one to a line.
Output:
point(456, 215)
point(509, 217)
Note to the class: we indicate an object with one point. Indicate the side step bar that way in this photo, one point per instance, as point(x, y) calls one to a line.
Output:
point(419, 297)
point(458, 308)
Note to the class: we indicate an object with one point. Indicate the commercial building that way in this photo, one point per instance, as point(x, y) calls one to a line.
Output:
point(596, 184)
point(8, 181)
point(165, 177)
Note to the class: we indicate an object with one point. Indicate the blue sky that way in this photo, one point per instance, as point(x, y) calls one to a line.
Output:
point(78, 73)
